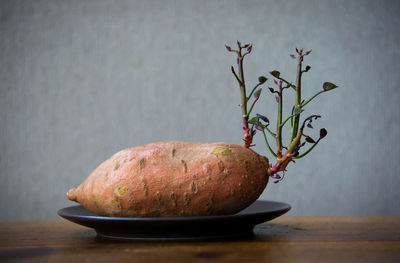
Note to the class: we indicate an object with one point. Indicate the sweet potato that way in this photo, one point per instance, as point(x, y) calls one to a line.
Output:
point(174, 179)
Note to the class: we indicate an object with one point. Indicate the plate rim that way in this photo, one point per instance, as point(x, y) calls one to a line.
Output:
point(286, 207)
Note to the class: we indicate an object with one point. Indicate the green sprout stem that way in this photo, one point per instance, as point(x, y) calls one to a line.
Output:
point(306, 152)
point(268, 146)
point(279, 122)
point(286, 120)
point(270, 132)
point(305, 103)
point(297, 97)
point(247, 132)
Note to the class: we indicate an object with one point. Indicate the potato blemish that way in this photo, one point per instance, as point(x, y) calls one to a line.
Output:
point(121, 190)
point(220, 150)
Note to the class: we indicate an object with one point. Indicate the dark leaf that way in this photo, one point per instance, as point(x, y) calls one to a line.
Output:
point(307, 68)
point(246, 46)
point(271, 89)
point(253, 120)
point(329, 86)
point(309, 125)
point(322, 133)
point(228, 48)
point(249, 48)
point(275, 73)
point(262, 79)
point(309, 119)
point(257, 94)
point(297, 50)
point(309, 139)
point(262, 117)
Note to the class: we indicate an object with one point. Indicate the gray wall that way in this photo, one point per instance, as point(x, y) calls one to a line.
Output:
point(80, 80)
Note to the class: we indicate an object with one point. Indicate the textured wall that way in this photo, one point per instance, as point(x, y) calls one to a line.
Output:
point(80, 80)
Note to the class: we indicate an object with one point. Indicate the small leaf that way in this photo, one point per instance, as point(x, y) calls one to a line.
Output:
point(228, 48)
point(257, 94)
point(253, 120)
point(309, 139)
point(275, 73)
point(329, 86)
point(307, 68)
point(297, 50)
point(293, 56)
point(249, 48)
point(262, 117)
point(308, 52)
point(271, 89)
point(322, 133)
point(309, 125)
point(262, 79)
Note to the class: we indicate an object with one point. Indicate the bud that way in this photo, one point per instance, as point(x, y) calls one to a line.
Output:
point(308, 52)
point(292, 56)
point(275, 73)
point(322, 133)
point(328, 86)
point(309, 139)
point(249, 48)
point(238, 43)
point(262, 79)
point(307, 68)
point(257, 94)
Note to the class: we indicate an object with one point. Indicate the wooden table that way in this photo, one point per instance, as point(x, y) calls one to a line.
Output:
point(286, 239)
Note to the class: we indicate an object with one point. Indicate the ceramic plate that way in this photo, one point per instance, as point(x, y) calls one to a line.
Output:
point(177, 228)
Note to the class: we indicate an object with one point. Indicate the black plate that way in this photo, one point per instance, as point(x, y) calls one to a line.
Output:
point(199, 227)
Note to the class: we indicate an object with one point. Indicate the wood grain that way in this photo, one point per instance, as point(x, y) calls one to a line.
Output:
point(287, 239)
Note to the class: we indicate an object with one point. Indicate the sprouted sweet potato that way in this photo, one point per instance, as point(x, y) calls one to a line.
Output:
point(193, 179)
point(174, 179)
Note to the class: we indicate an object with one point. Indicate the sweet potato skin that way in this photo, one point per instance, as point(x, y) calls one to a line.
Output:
point(174, 179)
